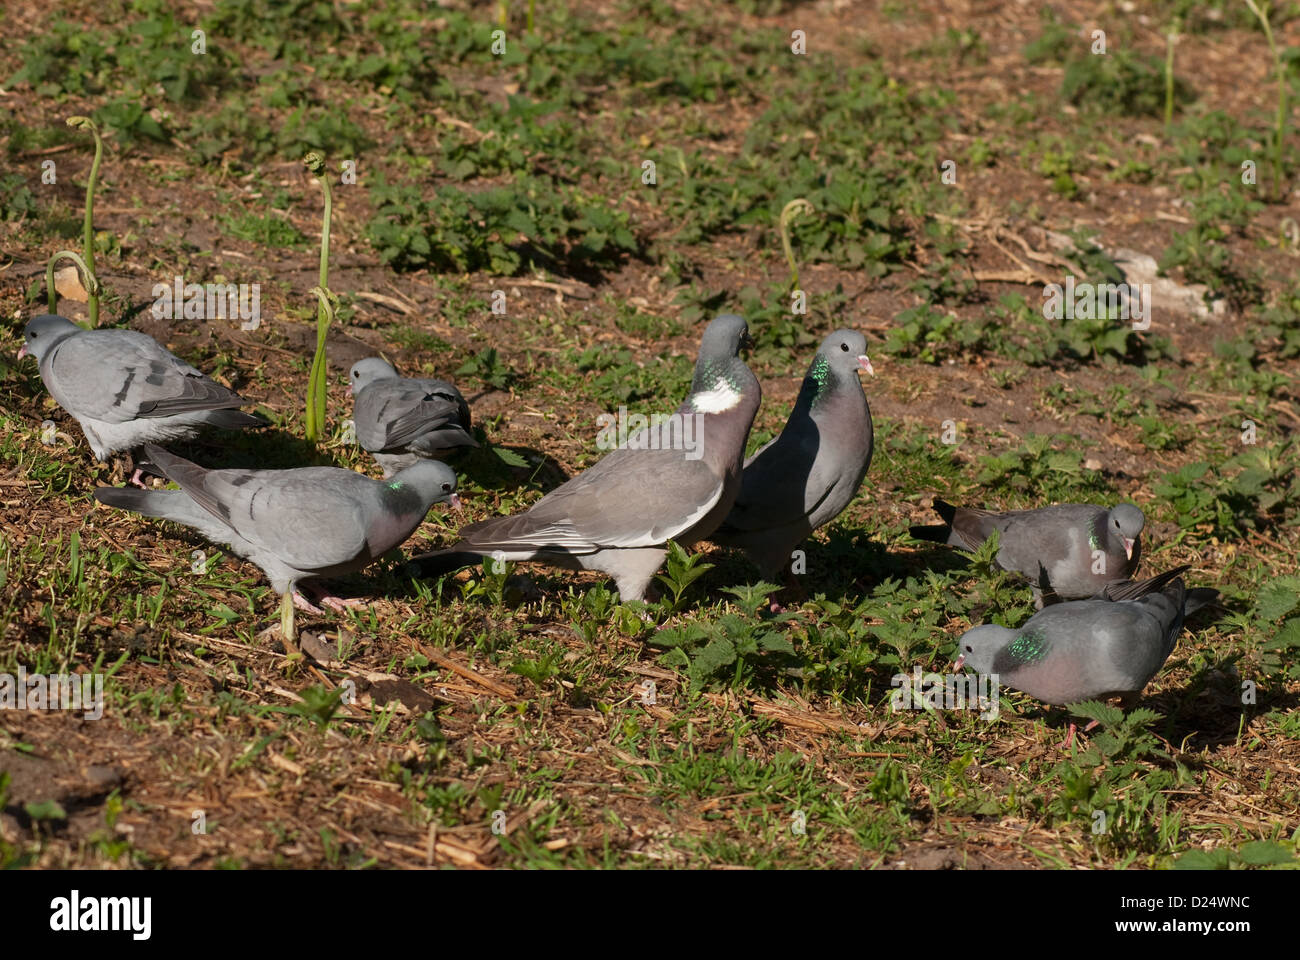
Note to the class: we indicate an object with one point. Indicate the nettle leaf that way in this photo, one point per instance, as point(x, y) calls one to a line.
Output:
point(509, 457)
point(1202, 860)
point(1103, 713)
point(1277, 598)
point(1266, 853)
point(716, 654)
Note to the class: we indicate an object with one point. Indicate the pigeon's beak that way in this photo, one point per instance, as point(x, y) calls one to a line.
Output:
point(454, 502)
point(864, 363)
point(959, 663)
point(22, 351)
point(1128, 548)
point(348, 391)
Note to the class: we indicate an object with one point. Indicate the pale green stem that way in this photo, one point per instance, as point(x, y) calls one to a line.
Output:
point(315, 414)
point(1279, 123)
point(88, 279)
point(788, 213)
point(88, 229)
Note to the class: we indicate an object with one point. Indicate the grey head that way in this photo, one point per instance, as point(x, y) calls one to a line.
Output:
point(979, 647)
point(367, 371)
point(720, 348)
point(1126, 521)
point(43, 332)
point(845, 351)
point(432, 481)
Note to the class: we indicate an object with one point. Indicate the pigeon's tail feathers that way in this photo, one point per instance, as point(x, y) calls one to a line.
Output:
point(945, 509)
point(934, 532)
point(440, 562)
point(1168, 583)
point(1197, 598)
point(227, 419)
point(172, 505)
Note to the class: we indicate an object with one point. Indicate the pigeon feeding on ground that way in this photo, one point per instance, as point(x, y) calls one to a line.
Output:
point(402, 419)
point(1108, 646)
point(295, 524)
point(676, 479)
point(1071, 550)
point(126, 389)
point(805, 477)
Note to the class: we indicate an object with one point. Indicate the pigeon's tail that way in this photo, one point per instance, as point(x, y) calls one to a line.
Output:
point(934, 533)
point(441, 562)
point(1167, 582)
point(227, 419)
point(946, 510)
point(164, 504)
point(1197, 598)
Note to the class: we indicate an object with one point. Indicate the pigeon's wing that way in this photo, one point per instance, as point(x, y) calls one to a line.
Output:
point(631, 498)
point(311, 519)
point(122, 375)
point(391, 414)
point(783, 483)
point(1135, 589)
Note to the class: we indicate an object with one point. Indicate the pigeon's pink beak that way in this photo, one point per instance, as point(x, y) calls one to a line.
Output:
point(864, 363)
point(22, 351)
point(348, 392)
point(454, 502)
point(1128, 548)
point(959, 663)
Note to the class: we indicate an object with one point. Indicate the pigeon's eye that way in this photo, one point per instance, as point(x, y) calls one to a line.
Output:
point(844, 347)
point(969, 649)
point(446, 488)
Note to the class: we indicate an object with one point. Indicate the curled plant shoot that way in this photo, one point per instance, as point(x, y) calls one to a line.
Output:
point(1261, 12)
point(87, 259)
point(315, 414)
point(1170, 39)
point(88, 281)
point(788, 213)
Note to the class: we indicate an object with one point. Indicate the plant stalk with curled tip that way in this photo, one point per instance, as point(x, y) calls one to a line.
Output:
point(87, 259)
point(1279, 122)
point(315, 419)
point(788, 213)
point(87, 278)
point(1169, 74)
point(530, 15)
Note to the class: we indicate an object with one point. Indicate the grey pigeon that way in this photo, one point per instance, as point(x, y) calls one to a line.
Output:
point(295, 524)
point(126, 389)
point(673, 480)
point(1108, 646)
point(805, 477)
point(1070, 550)
point(402, 419)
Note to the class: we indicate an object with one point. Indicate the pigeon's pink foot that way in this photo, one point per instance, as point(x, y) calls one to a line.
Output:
point(136, 481)
point(305, 605)
point(1091, 724)
point(1069, 739)
point(775, 607)
point(342, 604)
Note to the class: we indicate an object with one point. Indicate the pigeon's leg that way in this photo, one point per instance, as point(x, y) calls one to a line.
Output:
point(794, 586)
point(1069, 739)
point(337, 604)
point(1091, 724)
point(302, 603)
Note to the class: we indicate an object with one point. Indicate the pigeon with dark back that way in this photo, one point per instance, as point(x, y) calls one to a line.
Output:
point(806, 476)
point(295, 524)
point(125, 389)
point(400, 420)
point(1069, 551)
point(1110, 645)
point(618, 516)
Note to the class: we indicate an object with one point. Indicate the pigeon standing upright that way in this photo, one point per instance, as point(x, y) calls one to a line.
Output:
point(295, 524)
point(805, 477)
point(1070, 550)
point(675, 480)
point(1108, 646)
point(401, 419)
point(125, 389)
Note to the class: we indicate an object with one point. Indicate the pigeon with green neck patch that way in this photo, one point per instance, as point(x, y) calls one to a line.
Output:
point(1068, 551)
point(125, 389)
point(296, 525)
point(676, 479)
point(806, 476)
point(1110, 645)
point(400, 420)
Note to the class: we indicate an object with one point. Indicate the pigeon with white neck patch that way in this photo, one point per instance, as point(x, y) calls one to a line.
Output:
point(400, 420)
point(673, 480)
point(125, 389)
point(295, 524)
point(805, 477)
point(1108, 646)
point(1071, 550)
